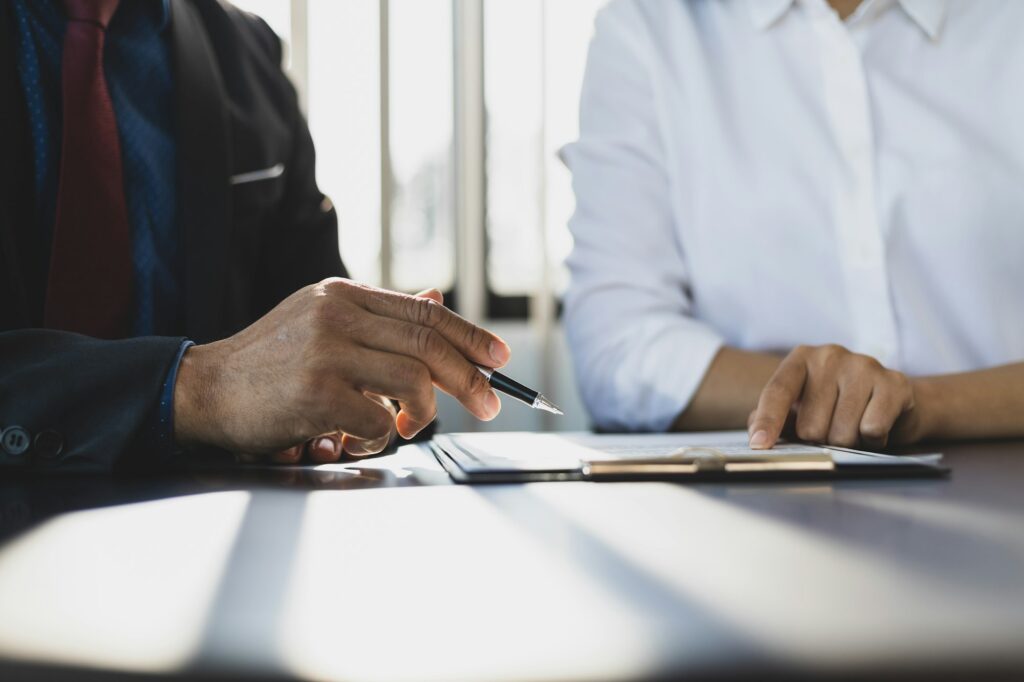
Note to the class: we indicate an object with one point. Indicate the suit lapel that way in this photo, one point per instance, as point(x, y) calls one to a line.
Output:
point(204, 171)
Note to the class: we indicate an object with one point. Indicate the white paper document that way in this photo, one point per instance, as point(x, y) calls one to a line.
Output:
point(571, 451)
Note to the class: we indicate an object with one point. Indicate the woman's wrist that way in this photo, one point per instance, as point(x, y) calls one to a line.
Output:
point(928, 418)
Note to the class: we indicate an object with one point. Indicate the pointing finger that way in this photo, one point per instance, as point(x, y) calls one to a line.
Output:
point(778, 396)
point(473, 342)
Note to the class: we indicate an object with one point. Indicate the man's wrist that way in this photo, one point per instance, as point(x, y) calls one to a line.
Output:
point(194, 398)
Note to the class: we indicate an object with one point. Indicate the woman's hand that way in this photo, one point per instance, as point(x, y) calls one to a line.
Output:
point(837, 397)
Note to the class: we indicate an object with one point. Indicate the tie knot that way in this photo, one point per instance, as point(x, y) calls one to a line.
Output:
point(93, 11)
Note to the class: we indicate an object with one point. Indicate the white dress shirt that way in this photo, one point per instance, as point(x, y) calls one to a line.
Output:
point(761, 174)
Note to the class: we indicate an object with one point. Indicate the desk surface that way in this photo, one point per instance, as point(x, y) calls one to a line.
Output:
point(384, 571)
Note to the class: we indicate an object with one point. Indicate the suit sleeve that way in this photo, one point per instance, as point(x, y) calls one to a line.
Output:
point(303, 245)
point(81, 402)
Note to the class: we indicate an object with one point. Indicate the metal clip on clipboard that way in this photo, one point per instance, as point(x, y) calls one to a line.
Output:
point(709, 460)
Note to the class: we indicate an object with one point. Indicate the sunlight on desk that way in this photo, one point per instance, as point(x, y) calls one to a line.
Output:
point(764, 568)
point(125, 587)
point(394, 584)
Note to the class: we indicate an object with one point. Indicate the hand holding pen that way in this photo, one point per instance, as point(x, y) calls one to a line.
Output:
point(310, 378)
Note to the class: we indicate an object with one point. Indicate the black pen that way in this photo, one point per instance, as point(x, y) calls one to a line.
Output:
point(511, 387)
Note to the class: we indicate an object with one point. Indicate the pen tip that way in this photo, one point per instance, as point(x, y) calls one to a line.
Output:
point(545, 404)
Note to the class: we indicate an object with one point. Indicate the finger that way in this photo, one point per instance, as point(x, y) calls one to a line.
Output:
point(475, 343)
point(890, 399)
point(448, 368)
point(351, 412)
point(854, 394)
point(324, 449)
point(288, 456)
point(433, 294)
point(789, 429)
point(816, 405)
point(401, 377)
point(360, 448)
point(363, 448)
point(778, 396)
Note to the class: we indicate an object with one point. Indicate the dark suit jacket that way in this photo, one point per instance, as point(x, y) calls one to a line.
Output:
point(246, 246)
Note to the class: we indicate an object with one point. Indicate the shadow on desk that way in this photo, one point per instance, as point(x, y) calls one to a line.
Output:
point(898, 522)
point(26, 500)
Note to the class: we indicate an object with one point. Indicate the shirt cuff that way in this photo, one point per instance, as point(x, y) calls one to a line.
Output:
point(162, 427)
point(645, 381)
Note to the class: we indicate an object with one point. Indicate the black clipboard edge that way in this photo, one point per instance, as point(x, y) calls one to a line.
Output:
point(916, 469)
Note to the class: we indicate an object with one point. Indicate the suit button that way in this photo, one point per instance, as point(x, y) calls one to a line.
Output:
point(15, 441)
point(48, 444)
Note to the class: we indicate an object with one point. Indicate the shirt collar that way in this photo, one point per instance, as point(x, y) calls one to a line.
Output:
point(764, 13)
point(927, 14)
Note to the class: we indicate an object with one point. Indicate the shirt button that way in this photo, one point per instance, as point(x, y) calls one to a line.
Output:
point(48, 444)
point(15, 441)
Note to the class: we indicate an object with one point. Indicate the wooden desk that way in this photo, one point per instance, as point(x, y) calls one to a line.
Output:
point(385, 571)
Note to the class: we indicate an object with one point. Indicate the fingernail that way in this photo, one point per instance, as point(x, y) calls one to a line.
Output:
point(500, 352)
point(760, 440)
point(492, 405)
point(325, 443)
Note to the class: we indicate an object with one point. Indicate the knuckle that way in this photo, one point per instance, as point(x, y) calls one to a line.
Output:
point(475, 337)
point(899, 380)
point(476, 383)
point(842, 439)
point(874, 429)
point(412, 373)
point(427, 396)
point(866, 363)
point(334, 312)
point(426, 312)
point(334, 290)
point(831, 354)
point(807, 431)
point(424, 407)
point(334, 286)
point(428, 342)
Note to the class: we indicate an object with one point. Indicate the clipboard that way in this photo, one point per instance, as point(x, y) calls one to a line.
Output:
point(723, 456)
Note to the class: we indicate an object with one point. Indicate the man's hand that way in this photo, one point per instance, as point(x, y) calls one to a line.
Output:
point(328, 447)
point(316, 369)
point(837, 397)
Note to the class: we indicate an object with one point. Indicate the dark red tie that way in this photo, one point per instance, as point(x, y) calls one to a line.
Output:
point(90, 283)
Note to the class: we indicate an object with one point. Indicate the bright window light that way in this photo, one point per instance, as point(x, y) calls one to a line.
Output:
point(422, 120)
point(344, 119)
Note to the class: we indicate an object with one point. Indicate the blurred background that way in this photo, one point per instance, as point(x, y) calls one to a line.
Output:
point(437, 125)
